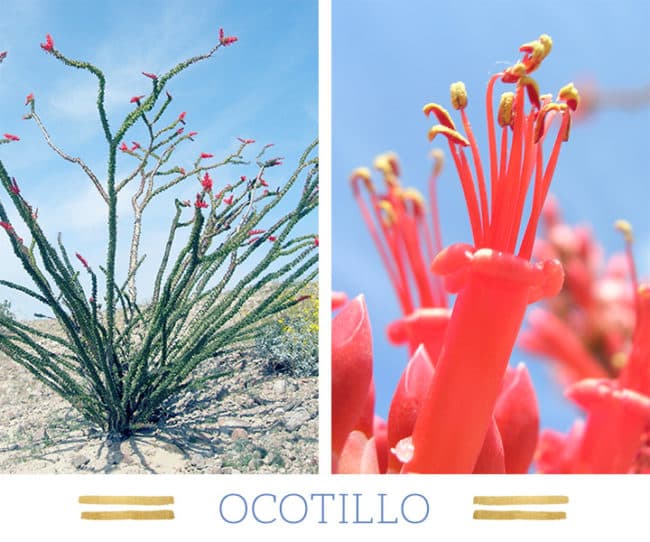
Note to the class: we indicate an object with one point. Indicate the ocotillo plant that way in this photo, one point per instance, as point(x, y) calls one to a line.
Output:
point(119, 362)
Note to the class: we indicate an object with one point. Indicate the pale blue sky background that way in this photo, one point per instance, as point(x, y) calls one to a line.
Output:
point(263, 87)
point(391, 58)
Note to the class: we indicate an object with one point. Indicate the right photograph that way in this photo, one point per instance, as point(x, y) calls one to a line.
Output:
point(490, 240)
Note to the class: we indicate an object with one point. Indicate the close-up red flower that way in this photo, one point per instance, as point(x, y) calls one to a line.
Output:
point(453, 409)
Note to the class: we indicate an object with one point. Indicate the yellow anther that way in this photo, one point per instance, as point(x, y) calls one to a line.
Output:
point(626, 229)
point(458, 95)
point(569, 94)
point(451, 135)
point(618, 360)
point(438, 161)
point(363, 174)
point(513, 73)
point(414, 196)
point(388, 164)
point(535, 49)
point(389, 216)
point(547, 42)
point(540, 123)
point(441, 114)
point(504, 116)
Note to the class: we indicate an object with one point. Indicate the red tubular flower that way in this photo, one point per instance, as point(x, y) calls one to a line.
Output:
point(150, 75)
point(181, 117)
point(49, 44)
point(180, 131)
point(192, 134)
point(29, 99)
point(124, 147)
point(181, 170)
point(136, 99)
point(494, 285)
point(199, 203)
point(15, 189)
point(206, 182)
point(135, 146)
point(246, 141)
point(263, 182)
point(206, 155)
point(3, 55)
point(228, 201)
point(617, 419)
point(614, 437)
point(226, 40)
point(11, 137)
point(82, 260)
point(351, 371)
point(7, 227)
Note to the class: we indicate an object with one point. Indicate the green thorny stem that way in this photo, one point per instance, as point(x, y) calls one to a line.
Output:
point(119, 374)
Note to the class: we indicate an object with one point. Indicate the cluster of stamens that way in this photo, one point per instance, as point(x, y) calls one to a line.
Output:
point(520, 158)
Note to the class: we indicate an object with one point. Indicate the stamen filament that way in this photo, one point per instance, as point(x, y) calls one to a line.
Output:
point(478, 167)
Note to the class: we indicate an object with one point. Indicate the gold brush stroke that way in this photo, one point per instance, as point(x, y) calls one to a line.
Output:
point(517, 514)
point(129, 514)
point(523, 499)
point(128, 500)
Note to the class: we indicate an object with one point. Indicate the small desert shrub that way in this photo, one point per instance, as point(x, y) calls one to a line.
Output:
point(289, 342)
point(5, 310)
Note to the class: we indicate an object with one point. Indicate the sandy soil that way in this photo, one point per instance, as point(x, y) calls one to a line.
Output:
point(247, 422)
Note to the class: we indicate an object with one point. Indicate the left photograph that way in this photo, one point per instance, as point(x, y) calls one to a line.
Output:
point(159, 237)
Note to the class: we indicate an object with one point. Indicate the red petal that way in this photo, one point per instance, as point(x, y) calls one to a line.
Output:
point(351, 368)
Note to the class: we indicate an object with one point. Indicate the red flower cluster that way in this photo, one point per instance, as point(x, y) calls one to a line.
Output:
point(206, 182)
point(226, 40)
point(49, 44)
point(597, 333)
point(82, 260)
point(14, 186)
point(458, 407)
point(11, 137)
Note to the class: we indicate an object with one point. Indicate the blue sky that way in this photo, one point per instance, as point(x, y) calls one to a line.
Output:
point(263, 87)
point(391, 58)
